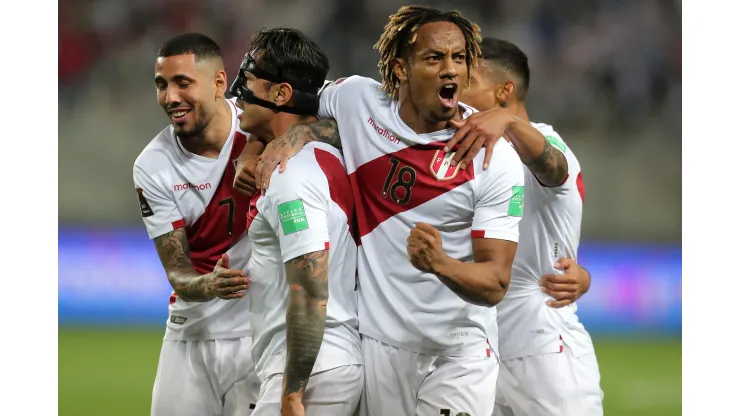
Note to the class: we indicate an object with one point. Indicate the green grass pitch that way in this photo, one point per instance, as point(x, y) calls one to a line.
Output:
point(110, 372)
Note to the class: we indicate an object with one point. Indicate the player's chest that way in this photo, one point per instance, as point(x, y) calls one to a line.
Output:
point(418, 182)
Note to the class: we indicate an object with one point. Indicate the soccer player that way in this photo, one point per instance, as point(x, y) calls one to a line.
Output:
point(184, 182)
point(303, 266)
point(424, 322)
point(548, 362)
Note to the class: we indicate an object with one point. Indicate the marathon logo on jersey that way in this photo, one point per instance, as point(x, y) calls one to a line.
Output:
point(184, 186)
point(146, 210)
point(383, 132)
point(292, 216)
point(441, 168)
point(175, 319)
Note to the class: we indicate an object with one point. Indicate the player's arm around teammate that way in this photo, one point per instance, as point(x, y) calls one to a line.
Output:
point(567, 287)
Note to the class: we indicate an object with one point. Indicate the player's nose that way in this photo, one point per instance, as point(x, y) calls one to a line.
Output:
point(172, 96)
point(448, 68)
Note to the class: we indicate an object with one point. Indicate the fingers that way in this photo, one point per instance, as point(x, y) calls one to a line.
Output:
point(283, 165)
point(560, 287)
point(462, 130)
point(244, 186)
point(258, 171)
point(564, 263)
point(268, 167)
point(476, 143)
point(557, 278)
point(426, 228)
point(489, 153)
point(560, 295)
point(223, 261)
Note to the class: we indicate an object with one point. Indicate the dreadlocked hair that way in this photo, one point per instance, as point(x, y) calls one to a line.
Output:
point(399, 36)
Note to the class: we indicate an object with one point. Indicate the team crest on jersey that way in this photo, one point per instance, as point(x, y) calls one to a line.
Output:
point(441, 168)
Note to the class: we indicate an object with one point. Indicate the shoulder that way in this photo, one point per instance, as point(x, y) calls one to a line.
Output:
point(157, 154)
point(307, 170)
point(351, 85)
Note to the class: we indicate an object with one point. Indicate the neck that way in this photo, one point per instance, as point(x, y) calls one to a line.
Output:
point(519, 109)
point(215, 135)
point(282, 122)
point(412, 116)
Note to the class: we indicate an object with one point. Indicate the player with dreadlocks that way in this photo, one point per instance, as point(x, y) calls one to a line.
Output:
point(437, 240)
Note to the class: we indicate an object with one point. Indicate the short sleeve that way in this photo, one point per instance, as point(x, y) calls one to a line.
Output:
point(499, 204)
point(297, 205)
point(159, 212)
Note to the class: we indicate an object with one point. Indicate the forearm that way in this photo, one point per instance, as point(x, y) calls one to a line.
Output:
point(190, 285)
point(322, 130)
point(253, 148)
point(482, 284)
point(545, 162)
point(174, 253)
point(305, 318)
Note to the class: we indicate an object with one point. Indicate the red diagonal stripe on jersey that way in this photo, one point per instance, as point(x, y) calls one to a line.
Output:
point(339, 187)
point(581, 187)
point(369, 180)
point(209, 236)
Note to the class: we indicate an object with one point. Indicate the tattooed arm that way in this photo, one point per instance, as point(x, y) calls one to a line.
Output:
point(546, 163)
point(305, 318)
point(291, 142)
point(188, 284)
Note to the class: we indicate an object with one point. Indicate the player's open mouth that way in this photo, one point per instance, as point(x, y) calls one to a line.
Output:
point(448, 95)
point(179, 115)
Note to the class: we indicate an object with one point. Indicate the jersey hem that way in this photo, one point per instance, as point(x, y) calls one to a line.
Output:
point(171, 335)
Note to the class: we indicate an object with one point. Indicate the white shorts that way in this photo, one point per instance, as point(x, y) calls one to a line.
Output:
point(333, 392)
point(399, 382)
point(552, 384)
point(205, 378)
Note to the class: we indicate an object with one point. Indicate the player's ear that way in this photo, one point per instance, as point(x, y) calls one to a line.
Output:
point(282, 93)
point(399, 68)
point(221, 85)
point(505, 91)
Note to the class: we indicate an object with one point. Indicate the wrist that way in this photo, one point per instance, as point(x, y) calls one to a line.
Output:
point(296, 397)
point(444, 266)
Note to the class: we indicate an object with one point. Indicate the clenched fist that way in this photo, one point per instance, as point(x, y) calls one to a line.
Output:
point(425, 248)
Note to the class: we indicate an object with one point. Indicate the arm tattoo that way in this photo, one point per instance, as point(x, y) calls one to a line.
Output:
point(305, 317)
point(174, 253)
point(324, 130)
point(550, 167)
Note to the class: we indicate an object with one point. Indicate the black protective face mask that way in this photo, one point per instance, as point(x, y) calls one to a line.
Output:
point(304, 103)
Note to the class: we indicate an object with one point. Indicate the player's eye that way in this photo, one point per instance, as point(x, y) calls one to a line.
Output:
point(183, 84)
point(433, 58)
point(161, 87)
point(459, 56)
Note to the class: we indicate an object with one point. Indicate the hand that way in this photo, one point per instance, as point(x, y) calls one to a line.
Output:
point(279, 151)
point(227, 283)
point(568, 287)
point(425, 248)
point(481, 129)
point(292, 405)
point(244, 180)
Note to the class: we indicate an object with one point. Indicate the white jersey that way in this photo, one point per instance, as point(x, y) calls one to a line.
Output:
point(400, 178)
point(180, 189)
point(309, 207)
point(550, 229)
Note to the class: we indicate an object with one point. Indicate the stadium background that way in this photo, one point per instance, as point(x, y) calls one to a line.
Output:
point(605, 73)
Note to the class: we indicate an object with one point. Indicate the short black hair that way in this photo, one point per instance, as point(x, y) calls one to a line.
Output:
point(509, 57)
point(197, 44)
point(293, 55)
